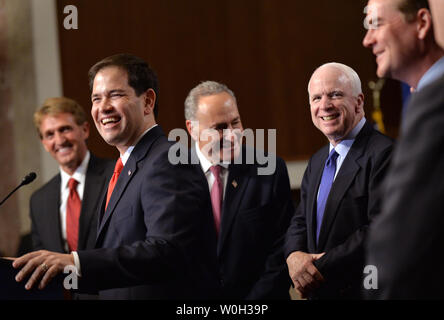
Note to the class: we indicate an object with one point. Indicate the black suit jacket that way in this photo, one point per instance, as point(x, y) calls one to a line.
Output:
point(256, 213)
point(152, 241)
point(407, 240)
point(353, 201)
point(45, 208)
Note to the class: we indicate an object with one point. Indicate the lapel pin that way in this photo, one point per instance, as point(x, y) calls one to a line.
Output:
point(129, 172)
point(234, 183)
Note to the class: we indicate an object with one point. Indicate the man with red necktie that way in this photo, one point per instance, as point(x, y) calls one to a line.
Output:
point(64, 210)
point(152, 239)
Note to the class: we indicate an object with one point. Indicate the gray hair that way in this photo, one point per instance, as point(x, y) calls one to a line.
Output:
point(205, 88)
point(348, 72)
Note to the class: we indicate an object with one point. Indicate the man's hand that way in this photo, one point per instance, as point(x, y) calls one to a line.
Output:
point(43, 265)
point(305, 276)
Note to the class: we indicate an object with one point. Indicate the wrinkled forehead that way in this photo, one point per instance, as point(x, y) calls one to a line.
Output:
point(328, 78)
point(61, 117)
point(109, 77)
point(218, 104)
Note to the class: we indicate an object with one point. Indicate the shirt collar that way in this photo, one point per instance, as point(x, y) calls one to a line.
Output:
point(128, 151)
point(78, 175)
point(344, 146)
point(204, 162)
point(435, 71)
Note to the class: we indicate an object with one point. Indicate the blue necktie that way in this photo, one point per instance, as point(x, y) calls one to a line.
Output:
point(328, 176)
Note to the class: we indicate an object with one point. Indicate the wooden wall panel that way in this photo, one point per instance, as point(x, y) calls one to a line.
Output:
point(264, 50)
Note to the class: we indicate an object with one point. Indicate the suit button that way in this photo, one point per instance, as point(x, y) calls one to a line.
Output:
point(221, 282)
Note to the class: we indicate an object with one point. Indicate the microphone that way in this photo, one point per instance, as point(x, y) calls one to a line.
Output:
point(26, 180)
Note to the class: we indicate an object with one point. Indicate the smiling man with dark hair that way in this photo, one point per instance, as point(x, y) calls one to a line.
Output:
point(153, 240)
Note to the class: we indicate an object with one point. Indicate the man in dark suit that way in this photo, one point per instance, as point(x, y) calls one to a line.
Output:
point(63, 129)
point(400, 34)
point(406, 241)
point(152, 236)
point(339, 193)
point(251, 210)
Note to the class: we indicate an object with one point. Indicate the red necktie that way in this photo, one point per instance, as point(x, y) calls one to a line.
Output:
point(216, 196)
point(73, 207)
point(112, 183)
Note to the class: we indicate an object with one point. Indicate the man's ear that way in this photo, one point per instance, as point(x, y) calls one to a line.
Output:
point(86, 128)
point(360, 103)
point(192, 130)
point(424, 23)
point(150, 101)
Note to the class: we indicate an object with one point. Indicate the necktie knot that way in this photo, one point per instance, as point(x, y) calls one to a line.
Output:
point(72, 184)
point(215, 170)
point(119, 166)
point(112, 183)
point(332, 157)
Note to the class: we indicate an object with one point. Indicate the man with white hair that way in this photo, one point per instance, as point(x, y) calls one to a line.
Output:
point(339, 193)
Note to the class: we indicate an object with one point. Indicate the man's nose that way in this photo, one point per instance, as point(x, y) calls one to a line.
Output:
point(325, 103)
point(232, 134)
point(60, 138)
point(228, 133)
point(368, 39)
point(105, 105)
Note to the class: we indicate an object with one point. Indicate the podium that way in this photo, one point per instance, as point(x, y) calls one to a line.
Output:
point(12, 290)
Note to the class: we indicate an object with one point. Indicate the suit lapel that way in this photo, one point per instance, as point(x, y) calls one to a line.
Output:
point(312, 198)
point(347, 173)
point(93, 187)
point(101, 214)
point(53, 214)
point(128, 172)
point(238, 176)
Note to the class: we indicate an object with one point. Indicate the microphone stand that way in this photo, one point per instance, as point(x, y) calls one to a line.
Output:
point(10, 193)
point(26, 180)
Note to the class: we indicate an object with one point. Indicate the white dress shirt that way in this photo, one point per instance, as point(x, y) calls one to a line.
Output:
point(206, 165)
point(343, 147)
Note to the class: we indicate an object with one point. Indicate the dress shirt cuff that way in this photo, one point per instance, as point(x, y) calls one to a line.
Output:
point(76, 262)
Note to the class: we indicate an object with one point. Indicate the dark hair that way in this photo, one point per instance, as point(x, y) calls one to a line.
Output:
point(140, 76)
point(411, 7)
